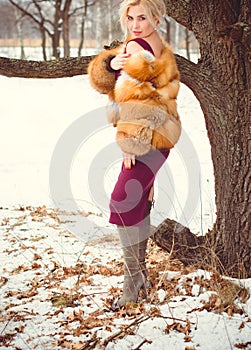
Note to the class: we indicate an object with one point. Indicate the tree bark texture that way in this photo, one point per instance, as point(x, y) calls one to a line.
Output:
point(185, 246)
point(64, 67)
point(55, 36)
point(221, 81)
point(66, 34)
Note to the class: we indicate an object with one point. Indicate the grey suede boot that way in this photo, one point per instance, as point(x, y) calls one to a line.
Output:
point(134, 279)
point(142, 261)
point(134, 243)
point(145, 230)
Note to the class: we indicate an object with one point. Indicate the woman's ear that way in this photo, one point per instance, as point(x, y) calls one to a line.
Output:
point(156, 22)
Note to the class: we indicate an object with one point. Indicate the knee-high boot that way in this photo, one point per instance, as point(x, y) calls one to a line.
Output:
point(134, 242)
point(145, 232)
point(134, 279)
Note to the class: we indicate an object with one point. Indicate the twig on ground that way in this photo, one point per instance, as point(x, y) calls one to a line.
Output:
point(174, 318)
point(138, 320)
point(142, 343)
point(91, 343)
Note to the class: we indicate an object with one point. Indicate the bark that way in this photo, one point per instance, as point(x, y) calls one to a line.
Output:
point(187, 39)
point(99, 26)
point(64, 67)
point(43, 44)
point(66, 37)
point(186, 246)
point(221, 82)
point(168, 29)
point(82, 30)
point(55, 36)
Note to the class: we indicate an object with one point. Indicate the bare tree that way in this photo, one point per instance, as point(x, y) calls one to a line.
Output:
point(19, 25)
point(52, 20)
point(7, 21)
point(99, 26)
point(109, 8)
point(83, 16)
point(187, 41)
point(82, 27)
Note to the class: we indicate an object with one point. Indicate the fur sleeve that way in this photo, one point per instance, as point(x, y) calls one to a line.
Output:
point(102, 79)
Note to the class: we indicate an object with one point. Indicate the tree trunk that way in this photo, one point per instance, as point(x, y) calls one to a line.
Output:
point(109, 9)
point(55, 36)
point(43, 44)
point(186, 246)
point(168, 29)
point(82, 28)
point(66, 36)
point(99, 26)
point(176, 37)
point(221, 82)
point(187, 40)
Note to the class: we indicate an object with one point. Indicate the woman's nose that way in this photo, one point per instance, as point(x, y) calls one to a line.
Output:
point(135, 24)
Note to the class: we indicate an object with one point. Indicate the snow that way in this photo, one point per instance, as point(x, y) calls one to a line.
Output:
point(60, 261)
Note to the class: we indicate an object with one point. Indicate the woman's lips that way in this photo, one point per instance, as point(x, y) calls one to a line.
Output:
point(136, 33)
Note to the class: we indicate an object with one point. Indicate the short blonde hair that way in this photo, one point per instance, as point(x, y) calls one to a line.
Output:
point(154, 9)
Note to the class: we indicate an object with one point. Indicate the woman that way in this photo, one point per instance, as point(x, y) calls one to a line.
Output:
point(142, 80)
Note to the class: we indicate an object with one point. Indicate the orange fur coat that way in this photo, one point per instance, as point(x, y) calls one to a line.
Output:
point(144, 97)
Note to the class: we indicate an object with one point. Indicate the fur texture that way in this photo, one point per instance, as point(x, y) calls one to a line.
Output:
point(100, 78)
point(143, 99)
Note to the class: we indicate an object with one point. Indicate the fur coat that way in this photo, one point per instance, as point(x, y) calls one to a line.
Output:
point(143, 99)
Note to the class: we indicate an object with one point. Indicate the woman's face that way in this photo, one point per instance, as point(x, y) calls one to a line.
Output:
point(137, 22)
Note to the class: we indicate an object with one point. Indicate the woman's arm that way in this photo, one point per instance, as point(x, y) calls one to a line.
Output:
point(101, 75)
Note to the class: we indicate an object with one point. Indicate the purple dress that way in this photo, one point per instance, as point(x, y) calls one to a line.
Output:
point(128, 204)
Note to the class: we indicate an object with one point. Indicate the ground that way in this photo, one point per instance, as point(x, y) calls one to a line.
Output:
point(61, 263)
point(56, 293)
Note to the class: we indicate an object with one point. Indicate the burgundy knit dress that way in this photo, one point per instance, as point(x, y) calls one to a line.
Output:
point(129, 198)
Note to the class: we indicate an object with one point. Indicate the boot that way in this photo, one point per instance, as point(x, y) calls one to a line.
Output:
point(134, 242)
point(142, 261)
point(143, 244)
point(134, 279)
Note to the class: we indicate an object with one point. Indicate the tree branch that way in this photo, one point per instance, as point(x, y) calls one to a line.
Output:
point(189, 248)
point(65, 67)
point(71, 66)
point(188, 71)
point(180, 11)
point(27, 13)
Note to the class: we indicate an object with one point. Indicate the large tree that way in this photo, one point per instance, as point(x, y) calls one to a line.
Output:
point(221, 81)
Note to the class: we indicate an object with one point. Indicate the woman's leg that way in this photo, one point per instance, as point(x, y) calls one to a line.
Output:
point(134, 278)
point(146, 229)
point(134, 243)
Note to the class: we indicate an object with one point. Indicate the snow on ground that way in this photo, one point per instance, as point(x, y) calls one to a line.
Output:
point(60, 260)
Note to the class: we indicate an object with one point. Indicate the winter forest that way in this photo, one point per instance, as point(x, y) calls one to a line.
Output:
point(61, 264)
point(70, 28)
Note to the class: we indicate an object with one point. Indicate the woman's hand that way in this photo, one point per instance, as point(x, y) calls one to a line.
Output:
point(129, 160)
point(119, 61)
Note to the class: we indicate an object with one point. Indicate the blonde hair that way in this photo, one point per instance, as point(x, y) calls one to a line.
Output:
point(154, 9)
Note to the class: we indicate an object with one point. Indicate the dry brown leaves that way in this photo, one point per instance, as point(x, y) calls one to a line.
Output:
point(224, 295)
point(181, 328)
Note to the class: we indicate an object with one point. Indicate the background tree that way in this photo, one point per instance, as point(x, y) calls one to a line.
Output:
point(19, 25)
point(82, 24)
point(221, 81)
point(52, 19)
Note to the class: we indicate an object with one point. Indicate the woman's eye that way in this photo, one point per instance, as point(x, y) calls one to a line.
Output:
point(142, 18)
point(129, 18)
